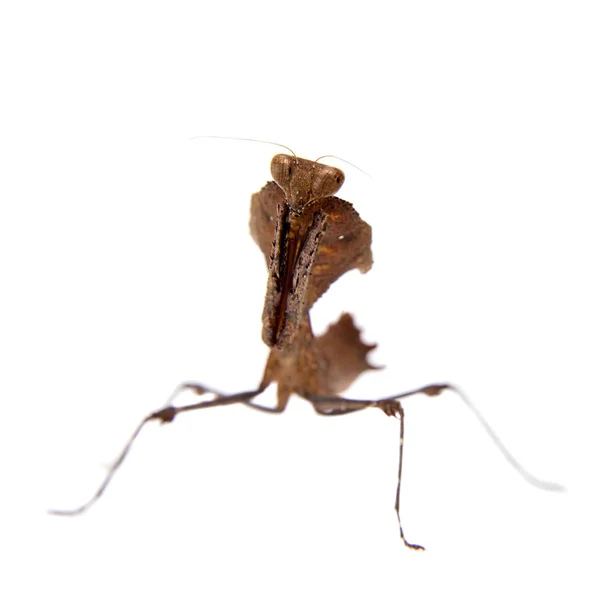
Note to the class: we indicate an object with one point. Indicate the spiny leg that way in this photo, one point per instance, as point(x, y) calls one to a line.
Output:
point(165, 415)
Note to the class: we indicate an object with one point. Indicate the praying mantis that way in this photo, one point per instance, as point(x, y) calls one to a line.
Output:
point(309, 238)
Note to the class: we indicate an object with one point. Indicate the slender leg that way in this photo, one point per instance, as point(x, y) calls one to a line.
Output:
point(165, 415)
point(336, 405)
point(391, 406)
point(268, 409)
point(397, 504)
point(202, 389)
point(335, 412)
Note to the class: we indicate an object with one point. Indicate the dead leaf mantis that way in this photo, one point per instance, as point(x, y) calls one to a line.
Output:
point(309, 238)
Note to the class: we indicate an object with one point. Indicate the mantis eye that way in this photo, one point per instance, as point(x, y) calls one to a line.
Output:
point(282, 169)
point(327, 181)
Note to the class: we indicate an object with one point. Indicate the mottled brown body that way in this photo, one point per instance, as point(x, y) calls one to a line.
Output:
point(309, 238)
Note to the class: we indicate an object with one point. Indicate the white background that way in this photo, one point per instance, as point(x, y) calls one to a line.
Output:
point(126, 267)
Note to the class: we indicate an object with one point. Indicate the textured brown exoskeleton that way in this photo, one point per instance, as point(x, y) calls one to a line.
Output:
point(309, 238)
